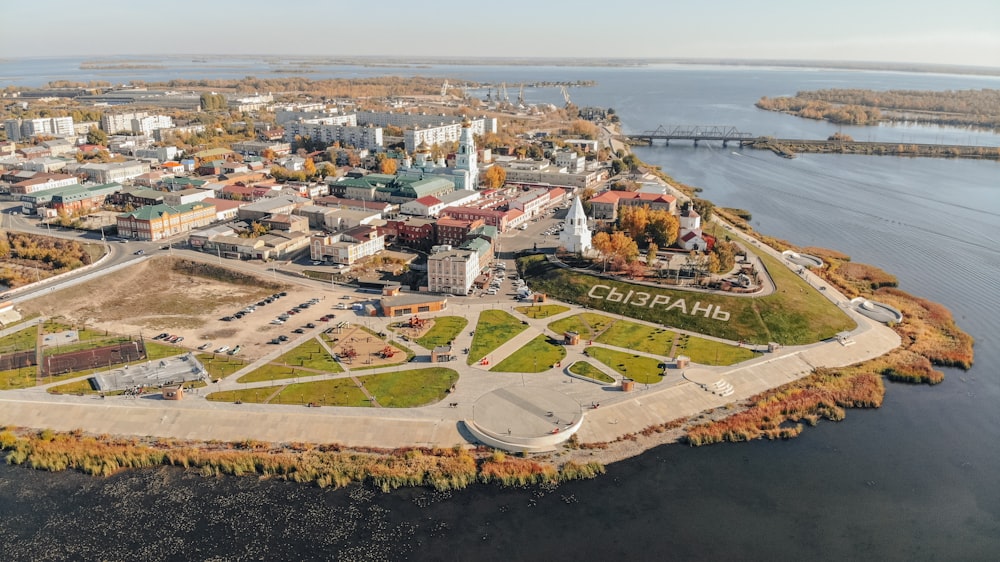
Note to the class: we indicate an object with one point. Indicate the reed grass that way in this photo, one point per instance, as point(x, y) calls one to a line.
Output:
point(323, 465)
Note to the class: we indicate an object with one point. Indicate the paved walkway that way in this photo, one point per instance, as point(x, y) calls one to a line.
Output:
point(439, 424)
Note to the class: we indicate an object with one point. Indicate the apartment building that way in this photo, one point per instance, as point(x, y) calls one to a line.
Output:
point(358, 137)
point(452, 271)
point(114, 171)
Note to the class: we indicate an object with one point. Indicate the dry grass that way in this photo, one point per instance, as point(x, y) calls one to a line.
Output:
point(442, 469)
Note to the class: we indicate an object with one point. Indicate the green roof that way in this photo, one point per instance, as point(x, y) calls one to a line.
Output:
point(78, 192)
point(477, 245)
point(150, 212)
point(46, 195)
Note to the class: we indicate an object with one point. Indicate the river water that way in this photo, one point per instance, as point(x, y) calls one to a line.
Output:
point(913, 480)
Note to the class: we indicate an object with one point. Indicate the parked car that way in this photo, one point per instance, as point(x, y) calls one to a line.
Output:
point(139, 252)
point(237, 349)
point(298, 331)
point(204, 346)
point(310, 325)
point(283, 337)
point(162, 336)
point(179, 339)
point(222, 349)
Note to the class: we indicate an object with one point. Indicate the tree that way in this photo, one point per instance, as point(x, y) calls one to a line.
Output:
point(651, 254)
point(495, 177)
point(616, 167)
point(97, 136)
point(634, 220)
point(388, 166)
point(662, 228)
point(703, 207)
point(309, 168)
point(618, 248)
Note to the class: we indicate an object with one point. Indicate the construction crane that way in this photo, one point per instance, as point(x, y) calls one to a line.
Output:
point(503, 93)
point(489, 94)
point(444, 89)
point(520, 97)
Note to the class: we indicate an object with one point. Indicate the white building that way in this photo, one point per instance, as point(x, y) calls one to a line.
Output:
point(113, 123)
point(158, 153)
point(466, 159)
point(358, 137)
point(283, 117)
point(452, 271)
point(114, 172)
point(571, 161)
point(146, 125)
point(690, 236)
point(575, 235)
point(20, 129)
point(347, 247)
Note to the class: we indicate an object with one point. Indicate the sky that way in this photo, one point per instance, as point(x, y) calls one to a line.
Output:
point(960, 32)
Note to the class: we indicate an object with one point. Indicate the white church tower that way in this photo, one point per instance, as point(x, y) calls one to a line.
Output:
point(575, 235)
point(466, 159)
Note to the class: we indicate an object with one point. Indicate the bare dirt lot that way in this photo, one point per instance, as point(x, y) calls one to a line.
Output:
point(155, 297)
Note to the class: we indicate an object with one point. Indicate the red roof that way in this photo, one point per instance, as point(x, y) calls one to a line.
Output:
point(429, 200)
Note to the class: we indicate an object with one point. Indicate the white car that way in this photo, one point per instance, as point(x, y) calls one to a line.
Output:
point(222, 349)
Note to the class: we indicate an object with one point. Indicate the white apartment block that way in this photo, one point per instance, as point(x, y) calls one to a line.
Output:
point(446, 133)
point(452, 271)
point(20, 129)
point(159, 153)
point(480, 125)
point(146, 125)
point(112, 123)
point(281, 117)
point(358, 137)
point(114, 172)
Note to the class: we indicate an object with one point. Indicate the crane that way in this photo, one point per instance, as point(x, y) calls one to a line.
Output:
point(503, 93)
point(520, 97)
point(444, 89)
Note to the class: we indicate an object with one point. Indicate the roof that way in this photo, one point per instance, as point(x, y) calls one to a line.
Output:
point(410, 299)
point(223, 204)
point(213, 153)
point(429, 200)
point(151, 212)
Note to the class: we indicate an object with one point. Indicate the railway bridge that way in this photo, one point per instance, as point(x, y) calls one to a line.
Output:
point(696, 133)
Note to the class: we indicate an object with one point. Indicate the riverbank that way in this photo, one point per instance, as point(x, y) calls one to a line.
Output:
point(788, 148)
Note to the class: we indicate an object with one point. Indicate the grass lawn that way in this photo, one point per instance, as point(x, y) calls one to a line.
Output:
point(538, 356)
point(587, 324)
point(710, 352)
point(311, 355)
point(93, 342)
point(542, 310)
point(18, 378)
point(21, 340)
point(795, 314)
point(156, 350)
point(585, 369)
point(218, 366)
point(408, 389)
point(273, 371)
point(78, 387)
point(494, 329)
point(636, 367)
point(445, 329)
point(639, 337)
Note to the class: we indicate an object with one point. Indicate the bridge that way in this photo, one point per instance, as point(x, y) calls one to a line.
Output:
point(696, 133)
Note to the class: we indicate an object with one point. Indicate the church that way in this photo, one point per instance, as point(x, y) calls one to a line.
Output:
point(465, 174)
point(575, 235)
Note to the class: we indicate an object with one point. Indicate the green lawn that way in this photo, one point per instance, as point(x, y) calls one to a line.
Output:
point(795, 314)
point(412, 388)
point(585, 369)
point(445, 329)
point(311, 355)
point(587, 324)
point(542, 310)
point(405, 389)
point(218, 366)
point(495, 328)
point(155, 350)
point(18, 378)
point(538, 356)
point(21, 340)
point(636, 367)
point(273, 372)
point(710, 352)
point(639, 337)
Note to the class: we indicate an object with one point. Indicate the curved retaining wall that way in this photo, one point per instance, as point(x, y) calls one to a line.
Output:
point(514, 444)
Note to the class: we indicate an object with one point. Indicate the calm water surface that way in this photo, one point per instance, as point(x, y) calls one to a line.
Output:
point(914, 480)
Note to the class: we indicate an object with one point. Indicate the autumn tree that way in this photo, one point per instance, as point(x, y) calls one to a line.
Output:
point(651, 254)
point(703, 207)
point(662, 228)
point(309, 168)
point(633, 220)
point(617, 247)
point(388, 166)
point(494, 177)
point(97, 136)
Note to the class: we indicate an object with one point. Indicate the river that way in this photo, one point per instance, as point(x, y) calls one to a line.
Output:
point(913, 480)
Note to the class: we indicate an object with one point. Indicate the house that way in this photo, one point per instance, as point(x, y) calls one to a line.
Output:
point(114, 171)
point(605, 206)
point(154, 222)
point(78, 199)
point(282, 204)
point(490, 217)
point(42, 181)
point(383, 208)
point(427, 206)
point(347, 247)
point(397, 305)
point(185, 196)
point(453, 231)
point(412, 232)
point(225, 209)
point(452, 271)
